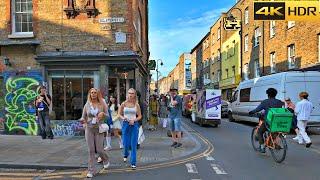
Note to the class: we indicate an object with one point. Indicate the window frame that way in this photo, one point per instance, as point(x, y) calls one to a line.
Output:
point(291, 56)
point(246, 71)
point(257, 34)
point(219, 33)
point(14, 32)
point(291, 24)
point(246, 16)
point(246, 43)
point(272, 29)
point(273, 62)
point(257, 68)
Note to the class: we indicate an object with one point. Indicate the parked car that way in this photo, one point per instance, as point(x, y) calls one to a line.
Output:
point(250, 93)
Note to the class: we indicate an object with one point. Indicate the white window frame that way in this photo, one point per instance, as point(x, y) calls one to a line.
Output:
point(256, 68)
point(246, 71)
point(246, 43)
point(246, 16)
point(272, 29)
point(272, 62)
point(291, 24)
point(14, 33)
point(291, 56)
point(219, 33)
point(257, 34)
point(219, 75)
point(218, 55)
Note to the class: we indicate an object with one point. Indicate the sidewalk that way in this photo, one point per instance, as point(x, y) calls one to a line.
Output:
point(71, 152)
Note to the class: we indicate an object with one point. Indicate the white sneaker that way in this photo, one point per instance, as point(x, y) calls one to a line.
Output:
point(89, 175)
point(99, 160)
point(133, 166)
point(107, 148)
point(121, 146)
point(125, 160)
point(106, 166)
point(296, 138)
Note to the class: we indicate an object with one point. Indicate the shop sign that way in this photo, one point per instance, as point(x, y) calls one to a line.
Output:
point(111, 20)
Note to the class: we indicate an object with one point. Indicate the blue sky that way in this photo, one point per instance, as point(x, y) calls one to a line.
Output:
point(176, 26)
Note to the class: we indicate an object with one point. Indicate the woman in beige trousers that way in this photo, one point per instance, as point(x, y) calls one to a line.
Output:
point(94, 112)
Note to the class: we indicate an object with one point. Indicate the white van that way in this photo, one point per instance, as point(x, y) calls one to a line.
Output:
point(250, 93)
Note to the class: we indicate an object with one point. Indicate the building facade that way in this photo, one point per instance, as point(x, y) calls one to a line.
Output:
point(185, 79)
point(70, 47)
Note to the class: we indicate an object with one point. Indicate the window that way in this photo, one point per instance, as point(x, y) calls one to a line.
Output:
point(235, 96)
point(291, 56)
point(272, 29)
point(234, 71)
point(233, 48)
point(218, 55)
point(246, 16)
point(227, 52)
point(227, 73)
point(256, 68)
point(246, 43)
point(219, 75)
point(272, 62)
point(138, 28)
point(212, 58)
point(246, 71)
point(213, 40)
point(219, 31)
point(245, 95)
point(257, 34)
point(22, 12)
point(291, 24)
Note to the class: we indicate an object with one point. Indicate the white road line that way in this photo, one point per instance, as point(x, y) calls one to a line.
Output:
point(209, 158)
point(192, 168)
point(218, 169)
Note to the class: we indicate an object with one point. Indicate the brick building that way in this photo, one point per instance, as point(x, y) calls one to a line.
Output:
point(73, 45)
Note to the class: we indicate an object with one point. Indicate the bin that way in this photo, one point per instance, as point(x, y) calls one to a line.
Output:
point(279, 119)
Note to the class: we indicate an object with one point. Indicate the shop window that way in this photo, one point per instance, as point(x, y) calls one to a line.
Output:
point(245, 95)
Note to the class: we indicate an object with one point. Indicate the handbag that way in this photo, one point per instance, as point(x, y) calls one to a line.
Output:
point(103, 128)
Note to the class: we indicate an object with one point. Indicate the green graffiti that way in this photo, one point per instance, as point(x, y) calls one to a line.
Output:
point(21, 93)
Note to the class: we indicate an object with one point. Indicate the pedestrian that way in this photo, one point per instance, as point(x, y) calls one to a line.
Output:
point(130, 112)
point(290, 106)
point(175, 115)
point(114, 107)
point(154, 110)
point(163, 111)
point(42, 104)
point(193, 109)
point(142, 105)
point(303, 111)
point(95, 111)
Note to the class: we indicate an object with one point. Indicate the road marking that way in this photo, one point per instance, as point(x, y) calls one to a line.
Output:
point(209, 158)
point(218, 169)
point(192, 168)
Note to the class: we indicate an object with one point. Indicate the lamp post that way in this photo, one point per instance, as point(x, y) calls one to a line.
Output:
point(157, 85)
point(232, 18)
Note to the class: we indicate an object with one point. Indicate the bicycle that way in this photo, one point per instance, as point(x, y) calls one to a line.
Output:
point(274, 141)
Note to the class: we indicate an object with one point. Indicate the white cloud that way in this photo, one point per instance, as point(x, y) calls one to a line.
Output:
point(181, 36)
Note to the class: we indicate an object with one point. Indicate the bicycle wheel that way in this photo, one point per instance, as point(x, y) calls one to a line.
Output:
point(280, 151)
point(254, 139)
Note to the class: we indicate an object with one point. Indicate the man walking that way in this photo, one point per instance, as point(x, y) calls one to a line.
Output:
point(175, 115)
point(303, 111)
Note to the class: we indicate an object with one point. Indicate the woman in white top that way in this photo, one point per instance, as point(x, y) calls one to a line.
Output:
point(303, 111)
point(130, 112)
point(114, 107)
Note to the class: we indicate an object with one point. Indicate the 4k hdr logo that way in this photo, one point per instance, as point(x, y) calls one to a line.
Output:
point(287, 10)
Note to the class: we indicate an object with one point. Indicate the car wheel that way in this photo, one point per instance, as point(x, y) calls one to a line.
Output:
point(230, 117)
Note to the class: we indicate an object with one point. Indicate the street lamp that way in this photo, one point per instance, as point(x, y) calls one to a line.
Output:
point(232, 18)
point(157, 85)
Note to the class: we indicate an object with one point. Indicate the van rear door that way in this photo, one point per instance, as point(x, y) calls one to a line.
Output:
point(312, 87)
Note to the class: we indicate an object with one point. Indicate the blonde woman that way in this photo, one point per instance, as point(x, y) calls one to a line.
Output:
point(94, 113)
point(130, 112)
point(114, 107)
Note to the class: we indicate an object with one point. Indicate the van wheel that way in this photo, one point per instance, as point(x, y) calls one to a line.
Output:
point(230, 117)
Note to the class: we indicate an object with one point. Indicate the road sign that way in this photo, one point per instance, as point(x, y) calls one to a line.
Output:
point(152, 65)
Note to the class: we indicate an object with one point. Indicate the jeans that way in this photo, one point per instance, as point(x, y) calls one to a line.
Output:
point(45, 127)
point(130, 140)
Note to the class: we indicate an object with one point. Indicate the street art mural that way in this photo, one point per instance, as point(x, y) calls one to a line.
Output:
point(21, 90)
point(67, 128)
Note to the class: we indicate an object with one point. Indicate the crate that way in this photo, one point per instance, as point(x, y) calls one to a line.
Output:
point(279, 119)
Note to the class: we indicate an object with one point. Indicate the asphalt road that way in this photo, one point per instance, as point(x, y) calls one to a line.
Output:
point(234, 158)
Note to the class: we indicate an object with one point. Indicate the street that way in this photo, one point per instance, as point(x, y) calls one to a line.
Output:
point(232, 158)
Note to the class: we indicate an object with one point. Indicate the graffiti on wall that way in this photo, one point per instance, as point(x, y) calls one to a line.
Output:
point(21, 90)
point(67, 128)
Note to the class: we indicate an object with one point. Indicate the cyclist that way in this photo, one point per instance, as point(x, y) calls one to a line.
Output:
point(265, 105)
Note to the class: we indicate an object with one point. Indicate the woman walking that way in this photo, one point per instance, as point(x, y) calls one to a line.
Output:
point(154, 109)
point(163, 111)
point(303, 111)
point(290, 106)
point(114, 107)
point(94, 113)
point(130, 112)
